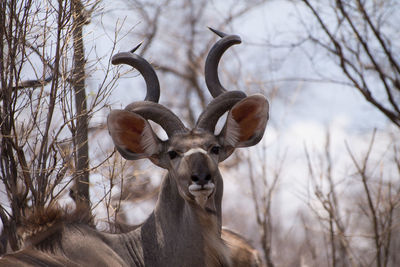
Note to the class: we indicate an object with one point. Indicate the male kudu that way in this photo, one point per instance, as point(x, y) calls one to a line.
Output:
point(185, 227)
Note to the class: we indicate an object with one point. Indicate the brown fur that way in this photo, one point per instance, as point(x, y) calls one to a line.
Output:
point(242, 252)
point(128, 130)
point(35, 258)
point(43, 227)
point(248, 118)
point(215, 250)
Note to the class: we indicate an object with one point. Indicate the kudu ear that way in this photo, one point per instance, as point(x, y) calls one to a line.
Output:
point(246, 122)
point(132, 135)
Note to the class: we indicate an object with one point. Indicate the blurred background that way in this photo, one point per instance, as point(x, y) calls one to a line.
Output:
point(321, 189)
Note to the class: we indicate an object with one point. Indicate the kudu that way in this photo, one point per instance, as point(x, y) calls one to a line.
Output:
point(185, 227)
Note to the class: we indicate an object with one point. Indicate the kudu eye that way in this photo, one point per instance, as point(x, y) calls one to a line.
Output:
point(172, 154)
point(215, 150)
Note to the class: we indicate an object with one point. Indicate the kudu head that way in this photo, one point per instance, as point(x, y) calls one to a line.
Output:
point(190, 156)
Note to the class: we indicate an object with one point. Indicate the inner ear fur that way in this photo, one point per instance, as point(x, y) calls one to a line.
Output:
point(132, 135)
point(246, 122)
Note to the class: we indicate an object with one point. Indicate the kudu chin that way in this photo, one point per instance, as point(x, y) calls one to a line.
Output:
point(185, 227)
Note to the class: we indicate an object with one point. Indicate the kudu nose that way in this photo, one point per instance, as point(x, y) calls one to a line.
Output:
point(201, 178)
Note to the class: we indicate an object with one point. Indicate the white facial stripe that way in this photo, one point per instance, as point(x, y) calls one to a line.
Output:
point(194, 150)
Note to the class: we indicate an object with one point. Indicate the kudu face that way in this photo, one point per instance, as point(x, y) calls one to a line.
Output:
point(192, 159)
point(190, 156)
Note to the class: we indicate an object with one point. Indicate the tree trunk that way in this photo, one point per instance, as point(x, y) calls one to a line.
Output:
point(81, 187)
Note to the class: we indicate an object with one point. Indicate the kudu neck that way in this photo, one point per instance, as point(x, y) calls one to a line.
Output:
point(173, 206)
point(186, 225)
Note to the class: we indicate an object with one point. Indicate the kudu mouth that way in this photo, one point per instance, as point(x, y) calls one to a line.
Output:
point(202, 192)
